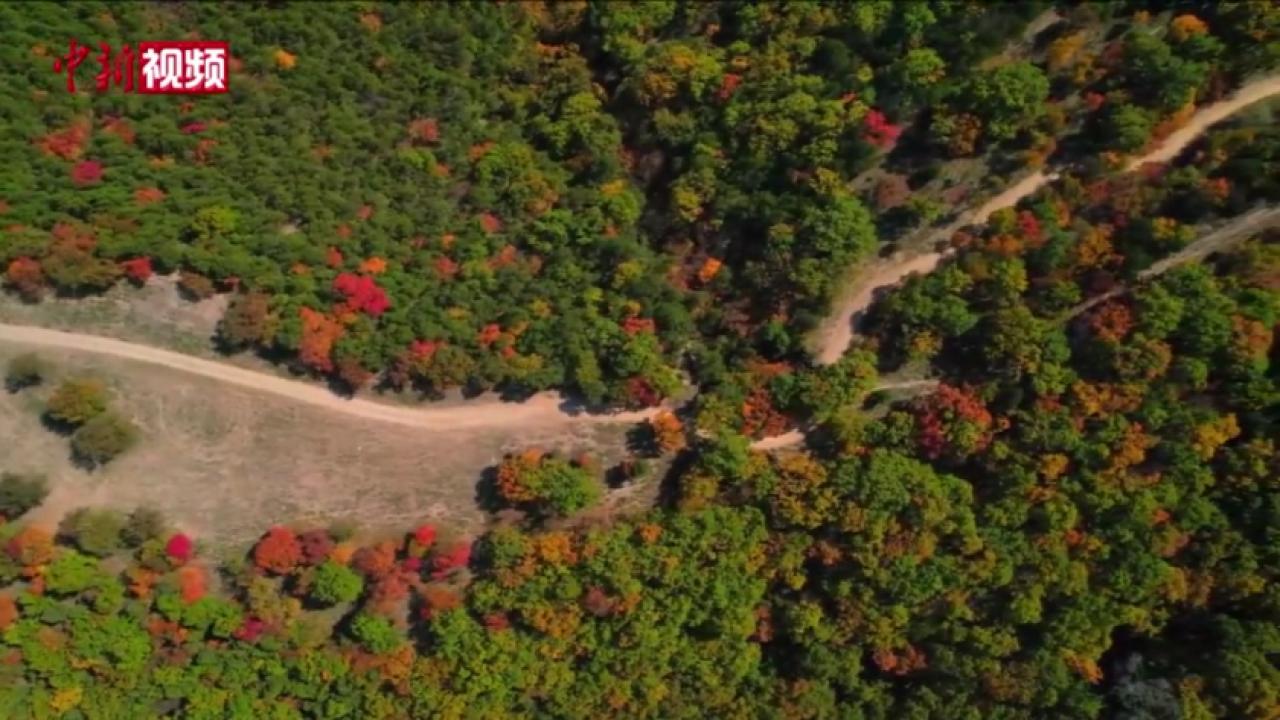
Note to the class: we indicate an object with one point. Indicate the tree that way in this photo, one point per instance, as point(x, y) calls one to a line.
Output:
point(1008, 99)
point(24, 371)
point(20, 493)
point(103, 438)
point(546, 483)
point(247, 321)
point(143, 524)
point(1128, 127)
point(278, 551)
point(319, 333)
point(333, 584)
point(195, 286)
point(77, 401)
point(94, 531)
point(25, 275)
point(180, 548)
point(668, 432)
point(375, 633)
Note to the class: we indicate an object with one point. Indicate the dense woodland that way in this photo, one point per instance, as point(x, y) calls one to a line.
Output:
point(619, 199)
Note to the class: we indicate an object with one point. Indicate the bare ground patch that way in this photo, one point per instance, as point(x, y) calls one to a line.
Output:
point(225, 463)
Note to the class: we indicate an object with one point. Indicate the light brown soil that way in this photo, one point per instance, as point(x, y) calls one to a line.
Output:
point(225, 462)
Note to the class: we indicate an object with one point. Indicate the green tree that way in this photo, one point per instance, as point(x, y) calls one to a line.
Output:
point(375, 633)
point(77, 401)
point(1008, 99)
point(20, 493)
point(94, 531)
point(103, 438)
point(333, 584)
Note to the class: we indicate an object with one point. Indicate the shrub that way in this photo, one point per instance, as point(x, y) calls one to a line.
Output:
point(24, 371)
point(20, 493)
point(102, 439)
point(94, 531)
point(144, 523)
point(77, 401)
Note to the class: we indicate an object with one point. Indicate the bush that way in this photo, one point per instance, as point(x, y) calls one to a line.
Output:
point(144, 523)
point(20, 493)
point(102, 439)
point(77, 401)
point(24, 371)
point(334, 583)
point(195, 287)
point(94, 531)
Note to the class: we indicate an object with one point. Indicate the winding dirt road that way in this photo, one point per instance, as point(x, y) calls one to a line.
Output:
point(549, 409)
point(834, 335)
point(543, 409)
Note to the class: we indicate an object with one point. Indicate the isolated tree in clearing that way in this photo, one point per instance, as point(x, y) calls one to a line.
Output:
point(103, 438)
point(77, 401)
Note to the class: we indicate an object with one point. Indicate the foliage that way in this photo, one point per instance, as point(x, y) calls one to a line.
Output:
point(546, 483)
point(20, 493)
point(93, 530)
point(334, 583)
point(76, 401)
point(102, 439)
point(1076, 521)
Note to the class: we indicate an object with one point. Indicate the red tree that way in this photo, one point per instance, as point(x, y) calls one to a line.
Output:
point(250, 630)
point(728, 85)
point(138, 270)
point(26, 276)
point(377, 561)
point(148, 195)
point(878, 131)
point(180, 548)
point(423, 538)
point(87, 172)
point(490, 223)
point(953, 422)
point(68, 143)
point(316, 546)
point(362, 293)
point(278, 551)
point(448, 560)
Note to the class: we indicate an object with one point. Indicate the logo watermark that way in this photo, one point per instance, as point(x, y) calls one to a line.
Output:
point(157, 67)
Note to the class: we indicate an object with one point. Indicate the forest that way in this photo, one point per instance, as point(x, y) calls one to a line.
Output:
point(1077, 516)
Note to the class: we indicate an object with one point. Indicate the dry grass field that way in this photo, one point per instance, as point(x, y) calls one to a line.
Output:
point(225, 463)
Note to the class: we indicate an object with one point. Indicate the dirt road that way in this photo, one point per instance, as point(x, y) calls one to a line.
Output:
point(1240, 228)
point(550, 408)
point(835, 334)
point(544, 409)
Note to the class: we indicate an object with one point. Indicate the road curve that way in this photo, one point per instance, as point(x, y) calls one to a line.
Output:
point(835, 334)
point(550, 408)
point(543, 409)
